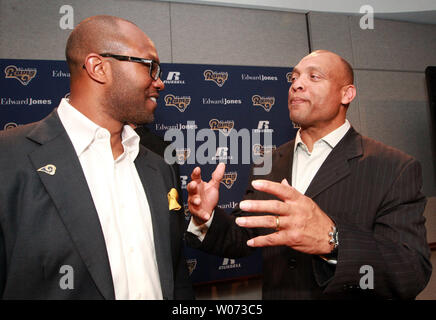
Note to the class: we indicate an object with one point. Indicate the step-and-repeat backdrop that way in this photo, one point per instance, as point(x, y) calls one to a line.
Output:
point(210, 113)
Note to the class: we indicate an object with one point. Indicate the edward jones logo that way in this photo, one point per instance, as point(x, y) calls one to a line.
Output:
point(265, 102)
point(22, 75)
point(218, 77)
point(181, 103)
point(224, 126)
point(229, 179)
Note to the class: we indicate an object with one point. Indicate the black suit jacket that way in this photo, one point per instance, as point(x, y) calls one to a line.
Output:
point(373, 193)
point(47, 221)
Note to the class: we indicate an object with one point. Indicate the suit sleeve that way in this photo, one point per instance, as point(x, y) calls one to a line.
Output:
point(392, 260)
point(182, 284)
point(225, 238)
point(2, 262)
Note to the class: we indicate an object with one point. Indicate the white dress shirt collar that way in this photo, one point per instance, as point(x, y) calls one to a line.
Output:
point(332, 139)
point(86, 131)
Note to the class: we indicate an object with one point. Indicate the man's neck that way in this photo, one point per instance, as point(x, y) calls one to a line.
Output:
point(312, 134)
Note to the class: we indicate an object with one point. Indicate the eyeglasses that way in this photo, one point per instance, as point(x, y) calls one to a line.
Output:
point(154, 67)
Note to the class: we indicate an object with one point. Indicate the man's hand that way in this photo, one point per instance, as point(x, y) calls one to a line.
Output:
point(302, 225)
point(203, 196)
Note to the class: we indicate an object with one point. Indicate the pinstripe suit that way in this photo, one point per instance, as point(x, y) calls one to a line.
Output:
point(373, 193)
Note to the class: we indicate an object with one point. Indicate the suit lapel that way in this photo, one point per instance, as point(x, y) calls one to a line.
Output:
point(158, 202)
point(284, 163)
point(70, 193)
point(336, 166)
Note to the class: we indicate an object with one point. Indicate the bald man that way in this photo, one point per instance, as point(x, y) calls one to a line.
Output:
point(84, 208)
point(340, 216)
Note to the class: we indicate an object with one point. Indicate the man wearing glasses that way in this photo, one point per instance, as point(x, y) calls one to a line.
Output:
point(84, 208)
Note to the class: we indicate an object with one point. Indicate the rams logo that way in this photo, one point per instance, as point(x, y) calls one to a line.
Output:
point(182, 154)
point(264, 102)
point(260, 150)
point(10, 125)
point(289, 77)
point(22, 75)
point(186, 211)
point(225, 126)
point(192, 264)
point(218, 77)
point(181, 103)
point(229, 179)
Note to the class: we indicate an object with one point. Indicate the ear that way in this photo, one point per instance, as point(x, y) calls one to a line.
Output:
point(348, 94)
point(96, 68)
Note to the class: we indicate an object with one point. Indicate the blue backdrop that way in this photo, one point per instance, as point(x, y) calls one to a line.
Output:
point(214, 97)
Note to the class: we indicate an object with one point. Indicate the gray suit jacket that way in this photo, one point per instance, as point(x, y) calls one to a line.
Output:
point(47, 221)
point(373, 193)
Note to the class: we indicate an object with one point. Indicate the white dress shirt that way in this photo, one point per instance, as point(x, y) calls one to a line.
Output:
point(121, 204)
point(305, 165)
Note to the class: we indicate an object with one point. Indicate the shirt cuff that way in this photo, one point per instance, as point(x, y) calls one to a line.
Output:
point(200, 230)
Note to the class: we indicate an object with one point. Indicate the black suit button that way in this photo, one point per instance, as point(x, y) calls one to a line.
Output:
point(292, 263)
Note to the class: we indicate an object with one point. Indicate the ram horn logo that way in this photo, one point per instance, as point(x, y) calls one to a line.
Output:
point(260, 150)
point(224, 126)
point(10, 125)
point(182, 154)
point(181, 103)
point(264, 102)
point(218, 77)
point(192, 264)
point(289, 76)
point(22, 75)
point(229, 179)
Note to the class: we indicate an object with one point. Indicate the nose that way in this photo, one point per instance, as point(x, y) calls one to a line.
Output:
point(158, 84)
point(297, 84)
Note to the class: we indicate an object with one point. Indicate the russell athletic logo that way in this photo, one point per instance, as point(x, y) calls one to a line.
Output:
point(181, 103)
point(265, 102)
point(22, 75)
point(229, 264)
point(218, 77)
point(174, 78)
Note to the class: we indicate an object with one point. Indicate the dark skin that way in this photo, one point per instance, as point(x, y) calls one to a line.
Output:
point(109, 92)
point(318, 99)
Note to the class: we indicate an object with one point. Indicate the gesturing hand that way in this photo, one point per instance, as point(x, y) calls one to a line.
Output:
point(302, 225)
point(203, 196)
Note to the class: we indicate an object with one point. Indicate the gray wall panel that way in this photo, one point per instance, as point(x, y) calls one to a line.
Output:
point(30, 29)
point(330, 31)
point(393, 45)
point(217, 35)
point(394, 110)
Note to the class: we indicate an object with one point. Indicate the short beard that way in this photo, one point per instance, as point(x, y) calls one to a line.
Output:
point(121, 107)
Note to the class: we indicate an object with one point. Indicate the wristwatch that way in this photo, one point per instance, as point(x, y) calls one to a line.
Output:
point(332, 257)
